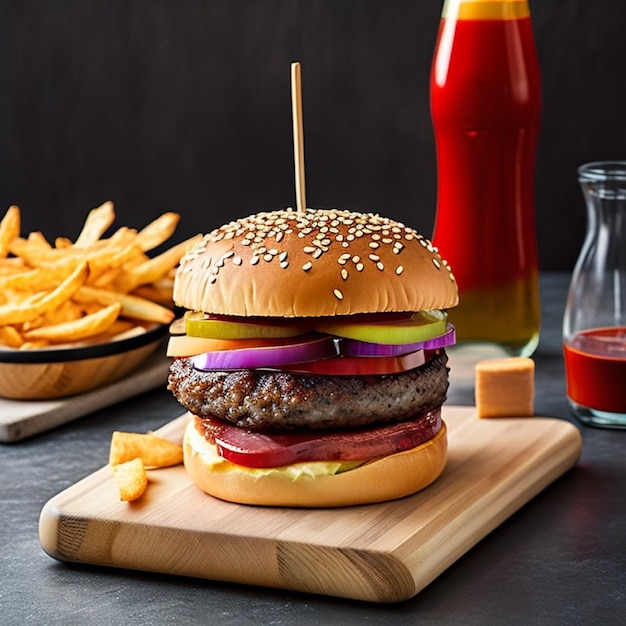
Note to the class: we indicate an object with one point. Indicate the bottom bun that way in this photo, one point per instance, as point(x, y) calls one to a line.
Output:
point(379, 480)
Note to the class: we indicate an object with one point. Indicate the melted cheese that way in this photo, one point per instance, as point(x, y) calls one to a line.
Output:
point(505, 387)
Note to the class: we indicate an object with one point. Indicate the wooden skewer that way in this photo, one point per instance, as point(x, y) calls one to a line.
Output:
point(298, 136)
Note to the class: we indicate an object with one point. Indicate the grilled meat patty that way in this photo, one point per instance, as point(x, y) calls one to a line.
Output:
point(281, 401)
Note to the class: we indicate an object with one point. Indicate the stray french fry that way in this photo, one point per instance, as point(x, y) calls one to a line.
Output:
point(154, 451)
point(131, 479)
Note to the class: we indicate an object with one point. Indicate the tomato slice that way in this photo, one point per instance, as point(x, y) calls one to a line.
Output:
point(261, 450)
point(359, 365)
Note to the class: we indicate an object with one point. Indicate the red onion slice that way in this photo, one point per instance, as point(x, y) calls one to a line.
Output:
point(309, 348)
point(359, 366)
point(352, 347)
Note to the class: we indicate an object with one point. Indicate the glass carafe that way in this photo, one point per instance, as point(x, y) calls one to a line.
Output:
point(594, 323)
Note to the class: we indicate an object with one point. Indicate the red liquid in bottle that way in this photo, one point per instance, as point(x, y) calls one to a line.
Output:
point(485, 104)
point(595, 366)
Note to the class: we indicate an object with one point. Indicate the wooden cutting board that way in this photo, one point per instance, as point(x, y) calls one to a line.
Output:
point(380, 553)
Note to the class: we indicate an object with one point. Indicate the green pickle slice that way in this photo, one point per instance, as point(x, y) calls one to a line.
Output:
point(201, 325)
point(419, 327)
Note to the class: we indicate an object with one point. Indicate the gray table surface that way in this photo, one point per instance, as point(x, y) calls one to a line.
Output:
point(561, 559)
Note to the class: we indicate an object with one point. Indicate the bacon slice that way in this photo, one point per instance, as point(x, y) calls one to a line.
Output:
point(259, 450)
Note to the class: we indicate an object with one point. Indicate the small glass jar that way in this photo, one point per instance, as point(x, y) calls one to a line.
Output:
point(594, 323)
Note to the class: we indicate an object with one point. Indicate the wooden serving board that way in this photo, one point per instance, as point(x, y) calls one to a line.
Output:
point(20, 419)
point(380, 553)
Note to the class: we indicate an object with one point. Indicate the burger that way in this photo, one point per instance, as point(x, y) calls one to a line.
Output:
point(311, 358)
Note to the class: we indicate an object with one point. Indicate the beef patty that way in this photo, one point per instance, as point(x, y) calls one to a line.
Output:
point(263, 400)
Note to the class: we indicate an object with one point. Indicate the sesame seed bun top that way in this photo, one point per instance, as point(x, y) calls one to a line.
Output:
point(318, 262)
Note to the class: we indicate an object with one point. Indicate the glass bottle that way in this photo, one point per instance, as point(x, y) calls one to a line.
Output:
point(485, 98)
point(594, 323)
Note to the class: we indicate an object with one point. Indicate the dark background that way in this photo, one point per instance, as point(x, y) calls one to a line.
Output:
point(185, 105)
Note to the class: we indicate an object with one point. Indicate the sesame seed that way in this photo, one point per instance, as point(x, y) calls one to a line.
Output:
point(284, 264)
point(436, 264)
point(380, 266)
point(344, 273)
point(399, 270)
point(338, 294)
point(374, 257)
point(309, 249)
point(307, 266)
point(237, 260)
point(360, 267)
point(374, 244)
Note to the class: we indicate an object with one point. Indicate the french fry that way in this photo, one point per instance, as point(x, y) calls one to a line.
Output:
point(132, 306)
point(158, 231)
point(63, 242)
point(97, 222)
point(154, 268)
point(131, 479)
point(37, 279)
point(9, 229)
point(12, 264)
point(159, 292)
point(154, 451)
point(67, 312)
point(9, 336)
point(40, 303)
point(74, 330)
